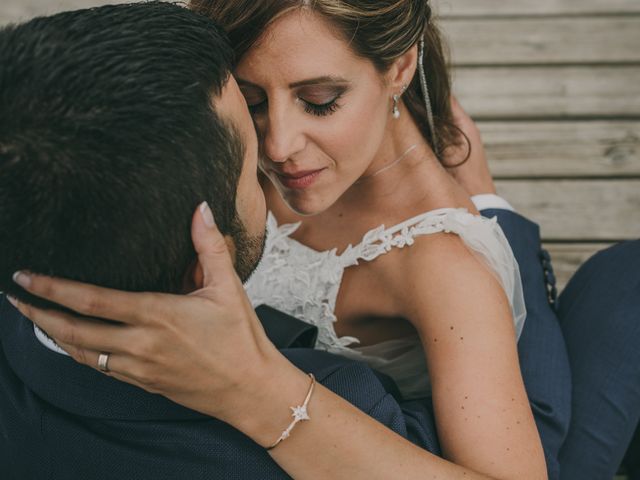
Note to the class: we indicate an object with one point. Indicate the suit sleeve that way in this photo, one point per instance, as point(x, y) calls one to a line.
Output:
point(543, 354)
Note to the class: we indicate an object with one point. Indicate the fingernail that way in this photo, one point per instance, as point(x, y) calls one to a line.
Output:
point(22, 278)
point(12, 300)
point(207, 215)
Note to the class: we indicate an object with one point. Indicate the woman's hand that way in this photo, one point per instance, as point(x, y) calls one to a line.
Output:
point(473, 175)
point(207, 351)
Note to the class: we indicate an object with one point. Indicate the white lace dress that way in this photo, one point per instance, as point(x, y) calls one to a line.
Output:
point(304, 283)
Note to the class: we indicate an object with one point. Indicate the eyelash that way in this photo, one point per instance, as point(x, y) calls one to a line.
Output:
point(322, 110)
point(311, 108)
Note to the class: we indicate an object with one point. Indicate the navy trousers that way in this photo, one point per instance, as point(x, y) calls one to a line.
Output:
point(599, 313)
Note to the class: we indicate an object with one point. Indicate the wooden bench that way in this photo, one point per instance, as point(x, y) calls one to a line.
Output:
point(555, 88)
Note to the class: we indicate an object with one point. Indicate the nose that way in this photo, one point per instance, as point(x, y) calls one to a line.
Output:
point(282, 136)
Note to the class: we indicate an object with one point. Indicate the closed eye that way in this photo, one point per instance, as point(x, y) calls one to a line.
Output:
point(321, 109)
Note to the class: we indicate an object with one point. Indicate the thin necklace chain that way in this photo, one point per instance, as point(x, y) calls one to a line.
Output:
point(392, 164)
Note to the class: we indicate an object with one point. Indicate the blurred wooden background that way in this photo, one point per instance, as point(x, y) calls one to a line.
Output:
point(555, 88)
point(19, 10)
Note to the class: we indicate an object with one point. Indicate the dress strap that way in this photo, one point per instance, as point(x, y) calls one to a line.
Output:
point(381, 240)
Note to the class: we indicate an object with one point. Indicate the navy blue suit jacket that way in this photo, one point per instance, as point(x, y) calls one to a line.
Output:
point(542, 350)
point(61, 420)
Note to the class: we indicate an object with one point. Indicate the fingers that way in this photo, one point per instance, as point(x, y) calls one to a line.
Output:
point(456, 108)
point(78, 332)
point(465, 123)
point(123, 367)
point(85, 340)
point(90, 358)
point(211, 247)
point(119, 366)
point(89, 300)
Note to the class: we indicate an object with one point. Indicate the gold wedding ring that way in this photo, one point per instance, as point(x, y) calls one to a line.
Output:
point(103, 362)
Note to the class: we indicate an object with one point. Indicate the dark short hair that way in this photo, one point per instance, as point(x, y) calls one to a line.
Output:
point(108, 142)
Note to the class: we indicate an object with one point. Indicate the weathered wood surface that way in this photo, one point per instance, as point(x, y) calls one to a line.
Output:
point(19, 10)
point(499, 8)
point(563, 149)
point(16, 9)
point(549, 92)
point(578, 210)
point(561, 40)
point(567, 258)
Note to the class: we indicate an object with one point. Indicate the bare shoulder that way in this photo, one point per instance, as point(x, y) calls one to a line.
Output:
point(440, 277)
point(436, 259)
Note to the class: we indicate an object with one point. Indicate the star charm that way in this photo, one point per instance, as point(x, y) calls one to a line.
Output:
point(300, 413)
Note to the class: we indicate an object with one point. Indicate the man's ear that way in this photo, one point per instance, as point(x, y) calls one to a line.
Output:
point(193, 278)
point(402, 70)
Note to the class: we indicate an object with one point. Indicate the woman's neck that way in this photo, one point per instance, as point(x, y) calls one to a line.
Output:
point(403, 170)
point(401, 134)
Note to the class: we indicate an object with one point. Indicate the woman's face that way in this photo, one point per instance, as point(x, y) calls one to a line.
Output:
point(320, 111)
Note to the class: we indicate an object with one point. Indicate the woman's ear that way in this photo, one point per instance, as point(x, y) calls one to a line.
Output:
point(402, 70)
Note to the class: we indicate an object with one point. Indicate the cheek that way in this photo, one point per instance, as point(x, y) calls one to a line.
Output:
point(357, 134)
point(251, 206)
point(258, 210)
point(260, 126)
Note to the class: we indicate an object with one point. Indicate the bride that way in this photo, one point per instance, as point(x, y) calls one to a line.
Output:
point(370, 239)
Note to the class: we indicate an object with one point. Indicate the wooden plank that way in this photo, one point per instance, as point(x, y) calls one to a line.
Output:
point(605, 39)
point(20, 10)
point(566, 258)
point(550, 92)
point(555, 149)
point(500, 8)
point(11, 10)
point(583, 210)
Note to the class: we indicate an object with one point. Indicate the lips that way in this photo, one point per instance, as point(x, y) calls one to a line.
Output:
point(298, 180)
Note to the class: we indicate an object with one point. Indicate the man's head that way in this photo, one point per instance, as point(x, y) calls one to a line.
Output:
point(110, 136)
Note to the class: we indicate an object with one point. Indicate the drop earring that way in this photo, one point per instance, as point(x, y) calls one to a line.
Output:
point(395, 112)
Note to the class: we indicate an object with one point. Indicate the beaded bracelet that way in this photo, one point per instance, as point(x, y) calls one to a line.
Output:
point(299, 414)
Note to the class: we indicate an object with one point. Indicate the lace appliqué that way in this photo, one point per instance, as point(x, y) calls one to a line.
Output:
point(304, 282)
point(300, 281)
point(382, 240)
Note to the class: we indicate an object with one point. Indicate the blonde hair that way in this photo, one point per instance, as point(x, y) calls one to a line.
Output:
point(380, 30)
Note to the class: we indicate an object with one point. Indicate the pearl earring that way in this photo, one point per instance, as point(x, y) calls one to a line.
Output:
point(395, 112)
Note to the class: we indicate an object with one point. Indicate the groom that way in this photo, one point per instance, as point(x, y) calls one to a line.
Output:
point(116, 122)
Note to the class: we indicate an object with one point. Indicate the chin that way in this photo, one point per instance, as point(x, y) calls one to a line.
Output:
point(305, 210)
point(304, 206)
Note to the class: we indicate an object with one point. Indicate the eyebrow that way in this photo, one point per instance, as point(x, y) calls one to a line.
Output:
point(324, 80)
